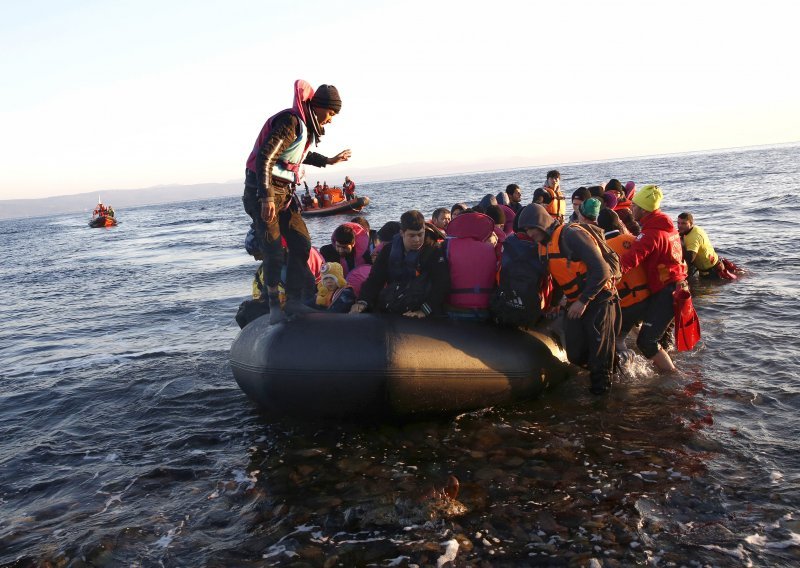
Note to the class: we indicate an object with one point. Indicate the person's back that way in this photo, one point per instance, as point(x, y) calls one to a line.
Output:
point(473, 265)
point(518, 300)
point(581, 265)
point(658, 249)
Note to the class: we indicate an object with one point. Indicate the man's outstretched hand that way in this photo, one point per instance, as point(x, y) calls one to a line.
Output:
point(342, 156)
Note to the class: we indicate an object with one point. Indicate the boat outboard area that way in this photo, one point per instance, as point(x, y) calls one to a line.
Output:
point(392, 367)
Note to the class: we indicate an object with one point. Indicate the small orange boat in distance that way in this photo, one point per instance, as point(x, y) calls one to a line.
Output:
point(102, 216)
point(330, 201)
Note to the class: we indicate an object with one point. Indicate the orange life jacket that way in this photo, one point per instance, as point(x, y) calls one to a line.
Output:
point(632, 288)
point(557, 206)
point(570, 275)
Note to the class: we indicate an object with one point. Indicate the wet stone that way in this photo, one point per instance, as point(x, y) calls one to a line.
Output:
point(489, 473)
point(353, 465)
point(216, 519)
point(464, 543)
point(541, 473)
point(305, 470)
point(486, 440)
point(547, 523)
point(311, 553)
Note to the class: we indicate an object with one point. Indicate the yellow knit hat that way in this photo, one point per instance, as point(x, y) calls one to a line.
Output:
point(648, 197)
point(333, 270)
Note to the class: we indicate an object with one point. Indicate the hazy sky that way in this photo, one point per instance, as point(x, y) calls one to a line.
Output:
point(124, 94)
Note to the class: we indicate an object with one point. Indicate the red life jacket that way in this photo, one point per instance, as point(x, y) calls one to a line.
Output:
point(315, 262)
point(303, 92)
point(472, 261)
point(508, 227)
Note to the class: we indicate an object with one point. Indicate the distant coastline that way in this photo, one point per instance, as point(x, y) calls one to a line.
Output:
point(123, 198)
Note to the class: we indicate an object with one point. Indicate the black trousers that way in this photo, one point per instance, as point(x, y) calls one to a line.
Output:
point(591, 339)
point(289, 224)
point(660, 314)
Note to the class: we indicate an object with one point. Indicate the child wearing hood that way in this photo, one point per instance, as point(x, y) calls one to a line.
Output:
point(334, 294)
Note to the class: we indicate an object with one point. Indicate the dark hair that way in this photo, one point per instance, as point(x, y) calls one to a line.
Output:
point(497, 214)
point(511, 188)
point(608, 220)
point(458, 207)
point(581, 193)
point(686, 216)
point(388, 231)
point(615, 185)
point(412, 221)
point(554, 174)
point(487, 200)
point(596, 191)
point(344, 235)
point(361, 221)
point(438, 212)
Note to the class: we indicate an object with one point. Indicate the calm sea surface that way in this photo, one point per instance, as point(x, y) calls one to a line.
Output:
point(125, 441)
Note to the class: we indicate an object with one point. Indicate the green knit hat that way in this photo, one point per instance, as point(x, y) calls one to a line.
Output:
point(591, 208)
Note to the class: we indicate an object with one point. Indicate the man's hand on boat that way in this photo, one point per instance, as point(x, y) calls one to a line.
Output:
point(342, 156)
point(358, 307)
point(415, 314)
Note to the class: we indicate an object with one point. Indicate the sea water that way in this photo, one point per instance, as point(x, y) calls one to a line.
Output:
point(124, 439)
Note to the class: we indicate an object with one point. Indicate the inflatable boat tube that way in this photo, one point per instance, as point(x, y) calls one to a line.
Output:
point(367, 365)
point(352, 206)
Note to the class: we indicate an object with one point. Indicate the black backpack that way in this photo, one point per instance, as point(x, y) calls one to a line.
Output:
point(517, 301)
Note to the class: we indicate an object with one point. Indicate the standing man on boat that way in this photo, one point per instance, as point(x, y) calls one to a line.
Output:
point(550, 197)
point(273, 170)
point(658, 249)
point(574, 259)
point(349, 188)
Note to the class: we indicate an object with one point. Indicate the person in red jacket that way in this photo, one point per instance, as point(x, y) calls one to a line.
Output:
point(658, 250)
point(349, 188)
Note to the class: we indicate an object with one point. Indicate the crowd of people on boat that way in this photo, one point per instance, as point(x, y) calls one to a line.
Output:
point(325, 195)
point(614, 262)
point(103, 210)
point(499, 261)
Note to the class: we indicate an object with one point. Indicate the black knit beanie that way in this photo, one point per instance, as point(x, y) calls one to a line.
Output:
point(581, 193)
point(327, 96)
